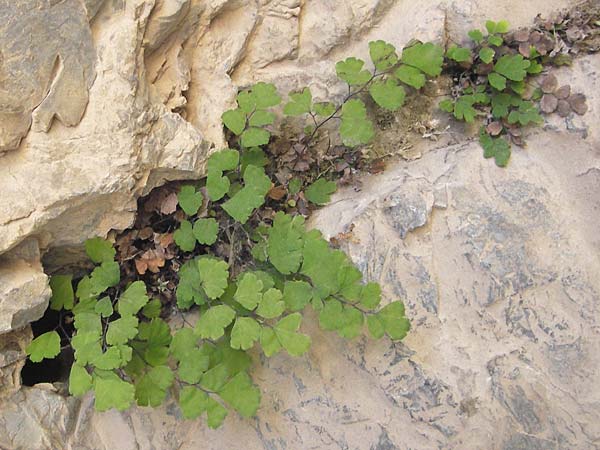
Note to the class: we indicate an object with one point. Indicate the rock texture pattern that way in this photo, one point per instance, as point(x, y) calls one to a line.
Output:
point(498, 268)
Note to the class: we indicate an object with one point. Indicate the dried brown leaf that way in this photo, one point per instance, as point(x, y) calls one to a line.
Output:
point(563, 109)
point(549, 84)
point(277, 192)
point(578, 103)
point(521, 35)
point(525, 49)
point(169, 204)
point(494, 128)
point(548, 103)
point(563, 92)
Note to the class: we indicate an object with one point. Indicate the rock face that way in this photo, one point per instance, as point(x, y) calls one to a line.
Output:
point(498, 268)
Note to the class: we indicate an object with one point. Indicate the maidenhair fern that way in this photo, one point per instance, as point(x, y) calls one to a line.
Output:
point(125, 351)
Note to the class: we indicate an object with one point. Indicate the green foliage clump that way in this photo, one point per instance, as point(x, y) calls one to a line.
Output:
point(495, 87)
point(125, 352)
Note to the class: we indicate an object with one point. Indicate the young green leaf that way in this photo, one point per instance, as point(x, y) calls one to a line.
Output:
point(331, 317)
point(151, 389)
point(122, 330)
point(459, 54)
point(184, 236)
point(190, 200)
point(212, 322)
point(265, 95)
point(80, 381)
point(497, 81)
point(427, 57)
point(261, 118)
point(271, 305)
point(370, 295)
point(411, 76)
point(215, 412)
point(498, 148)
point(495, 41)
point(296, 295)
point(133, 299)
point(249, 291)
point(320, 191)
point(394, 322)
point(62, 292)
point(254, 137)
point(216, 184)
point(99, 250)
point(375, 327)
point(356, 128)
point(300, 103)
point(214, 274)
point(88, 323)
point(513, 67)
point(46, 345)
point(352, 325)
point(324, 109)
point(87, 347)
point(351, 71)
point(193, 402)
point(256, 185)
point(463, 108)
point(112, 392)
point(206, 231)
point(241, 395)
point(497, 27)
point(526, 114)
point(501, 104)
point(104, 276)
point(269, 342)
point(487, 54)
point(383, 55)
point(235, 120)
point(215, 378)
point(189, 290)
point(184, 342)
point(476, 36)
point(286, 331)
point(192, 368)
point(109, 360)
point(285, 242)
point(447, 105)
point(253, 157)
point(152, 309)
point(294, 186)
point(244, 333)
point(104, 307)
point(388, 94)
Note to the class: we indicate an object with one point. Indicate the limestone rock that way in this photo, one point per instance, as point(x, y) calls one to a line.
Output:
point(24, 290)
point(12, 360)
point(73, 183)
point(37, 419)
point(42, 71)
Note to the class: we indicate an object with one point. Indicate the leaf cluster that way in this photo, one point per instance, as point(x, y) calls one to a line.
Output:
point(495, 88)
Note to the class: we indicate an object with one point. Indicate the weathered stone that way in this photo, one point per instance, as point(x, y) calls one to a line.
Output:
point(42, 71)
point(12, 360)
point(37, 419)
point(24, 290)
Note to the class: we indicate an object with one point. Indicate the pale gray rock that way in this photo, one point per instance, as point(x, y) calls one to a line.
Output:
point(41, 70)
point(12, 360)
point(24, 290)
